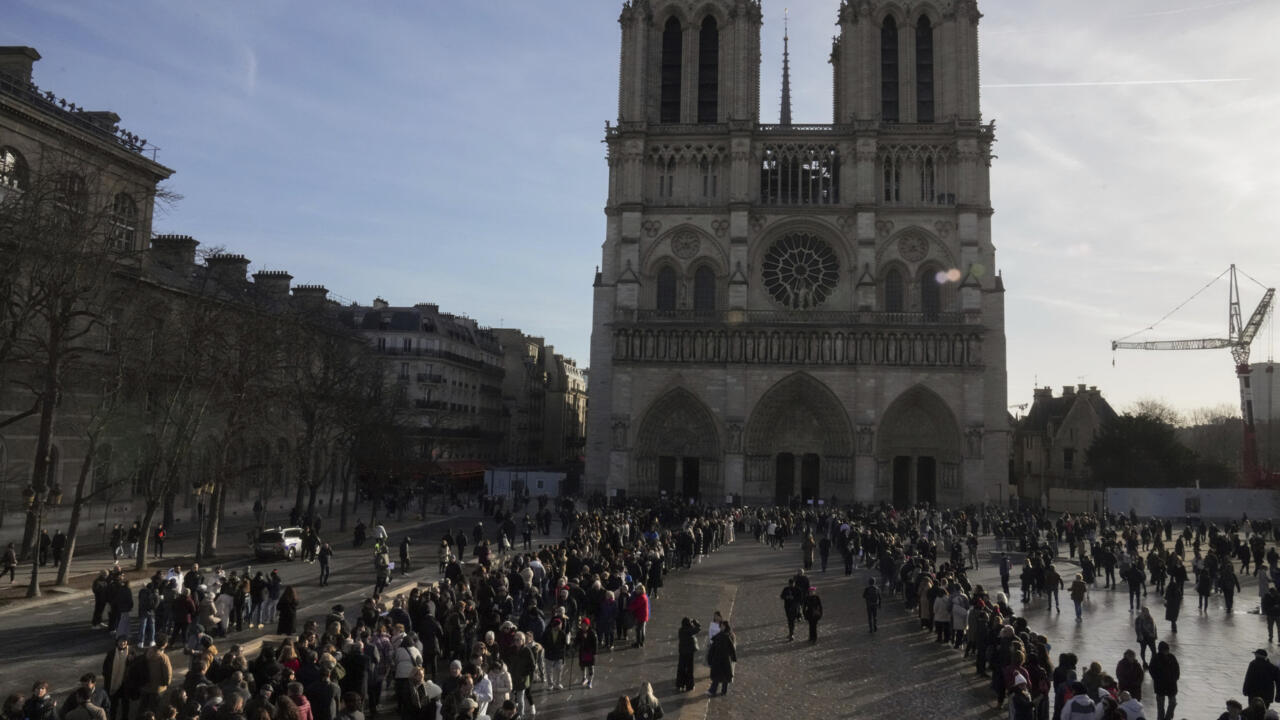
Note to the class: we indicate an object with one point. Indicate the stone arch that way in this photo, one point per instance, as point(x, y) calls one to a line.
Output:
point(937, 251)
point(709, 251)
point(799, 443)
point(918, 449)
point(677, 450)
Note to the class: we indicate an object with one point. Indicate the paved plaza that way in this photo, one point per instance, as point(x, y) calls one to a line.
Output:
point(898, 672)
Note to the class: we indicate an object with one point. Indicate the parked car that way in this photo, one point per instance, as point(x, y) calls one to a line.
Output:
point(279, 543)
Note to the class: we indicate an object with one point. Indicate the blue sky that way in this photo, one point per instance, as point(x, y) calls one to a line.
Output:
point(450, 152)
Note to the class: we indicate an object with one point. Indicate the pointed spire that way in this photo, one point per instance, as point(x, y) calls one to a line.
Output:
point(785, 116)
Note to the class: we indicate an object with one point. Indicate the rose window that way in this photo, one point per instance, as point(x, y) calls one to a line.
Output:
point(800, 271)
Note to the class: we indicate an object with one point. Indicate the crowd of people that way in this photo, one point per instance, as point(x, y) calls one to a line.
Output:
point(505, 624)
point(500, 628)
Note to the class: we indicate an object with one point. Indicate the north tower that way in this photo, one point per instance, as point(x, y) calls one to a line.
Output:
point(794, 312)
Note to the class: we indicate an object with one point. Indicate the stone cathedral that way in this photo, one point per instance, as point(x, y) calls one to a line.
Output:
point(799, 312)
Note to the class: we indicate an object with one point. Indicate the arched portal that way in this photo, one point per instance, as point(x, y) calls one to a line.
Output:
point(799, 445)
point(918, 450)
point(678, 450)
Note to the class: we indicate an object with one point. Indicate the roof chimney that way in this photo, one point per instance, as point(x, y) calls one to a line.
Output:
point(1081, 388)
point(227, 269)
point(16, 61)
point(311, 296)
point(1068, 391)
point(173, 252)
point(380, 304)
point(1043, 393)
point(274, 284)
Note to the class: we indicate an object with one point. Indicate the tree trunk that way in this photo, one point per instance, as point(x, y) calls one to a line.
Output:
point(169, 510)
point(311, 500)
point(33, 589)
point(213, 519)
point(144, 534)
point(346, 487)
point(333, 486)
point(77, 506)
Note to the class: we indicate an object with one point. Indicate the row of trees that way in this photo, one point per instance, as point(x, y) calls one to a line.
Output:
point(164, 376)
point(1154, 445)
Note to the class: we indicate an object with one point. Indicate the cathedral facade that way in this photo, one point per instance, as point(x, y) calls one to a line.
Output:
point(799, 312)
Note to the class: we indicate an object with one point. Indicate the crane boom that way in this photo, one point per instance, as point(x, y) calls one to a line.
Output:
point(1200, 344)
point(1240, 337)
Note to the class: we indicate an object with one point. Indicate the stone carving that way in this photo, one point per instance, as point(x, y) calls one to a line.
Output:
point(913, 248)
point(866, 440)
point(944, 227)
point(847, 223)
point(720, 227)
point(651, 227)
point(884, 227)
point(620, 426)
point(973, 439)
point(685, 244)
point(735, 437)
point(757, 223)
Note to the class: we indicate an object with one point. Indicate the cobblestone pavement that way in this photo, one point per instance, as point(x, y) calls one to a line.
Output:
point(896, 673)
point(1213, 647)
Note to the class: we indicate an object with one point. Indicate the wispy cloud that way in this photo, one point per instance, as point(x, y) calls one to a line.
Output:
point(1114, 83)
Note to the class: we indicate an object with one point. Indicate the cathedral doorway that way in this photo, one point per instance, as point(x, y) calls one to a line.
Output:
point(918, 446)
point(677, 452)
point(926, 480)
point(798, 444)
point(902, 482)
point(785, 479)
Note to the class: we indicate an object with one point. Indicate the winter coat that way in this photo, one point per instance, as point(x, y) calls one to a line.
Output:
point(721, 656)
point(639, 607)
point(688, 638)
point(1129, 676)
point(1164, 673)
point(407, 658)
point(1260, 680)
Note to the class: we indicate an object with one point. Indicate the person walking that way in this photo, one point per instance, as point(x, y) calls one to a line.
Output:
point(1164, 681)
point(687, 649)
point(587, 642)
point(1145, 627)
point(157, 541)
point(639, 609)
point(1172, 604)
point(404, 556)
point(721, 656)
point(872, 597)
point(812, 613)
point(791, 600)
point(1079, 590)
point(10, 565)
point(1260, 678)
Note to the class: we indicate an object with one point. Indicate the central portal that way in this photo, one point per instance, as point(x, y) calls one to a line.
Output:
point(810, 472)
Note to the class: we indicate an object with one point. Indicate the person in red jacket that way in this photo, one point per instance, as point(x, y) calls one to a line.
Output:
point(639, 609)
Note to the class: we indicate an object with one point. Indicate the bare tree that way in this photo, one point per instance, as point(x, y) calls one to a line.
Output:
point(1157, 409)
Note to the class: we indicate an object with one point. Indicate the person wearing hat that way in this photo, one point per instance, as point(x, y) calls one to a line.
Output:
point(1021, 707)
point(1260, 678)
point(587, 643)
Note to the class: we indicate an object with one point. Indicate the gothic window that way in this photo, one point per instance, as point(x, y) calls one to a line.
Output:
point(13, 170)
point(930, 293)
point(708, 71)
point(672, 53)
point(124, 222)
point(893, 291)
point(800, 175)
point(704, 289)
point(924, 70)
point(800, 271)
point(892, 179)
point(928, 181)
point(666, 288)
point(709, 178)
point(889, 70)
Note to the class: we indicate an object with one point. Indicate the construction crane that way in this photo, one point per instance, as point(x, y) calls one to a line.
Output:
point(1239, 337)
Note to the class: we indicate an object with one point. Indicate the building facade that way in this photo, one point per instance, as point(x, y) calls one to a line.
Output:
point(799, 311)
point(448, 372)
point(545, 396)
point(1051, 441)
